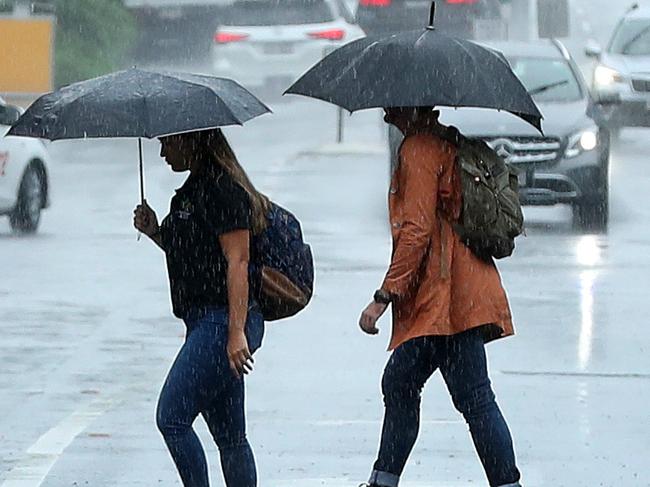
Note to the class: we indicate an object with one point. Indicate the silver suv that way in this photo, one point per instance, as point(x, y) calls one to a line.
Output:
point(623, 71)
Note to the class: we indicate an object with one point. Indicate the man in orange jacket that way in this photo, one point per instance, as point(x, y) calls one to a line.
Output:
point(446, 302)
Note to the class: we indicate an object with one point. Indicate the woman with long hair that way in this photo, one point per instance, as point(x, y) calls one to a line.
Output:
point(206, 238)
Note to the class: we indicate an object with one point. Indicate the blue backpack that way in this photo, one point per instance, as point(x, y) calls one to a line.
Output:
point(284, 265)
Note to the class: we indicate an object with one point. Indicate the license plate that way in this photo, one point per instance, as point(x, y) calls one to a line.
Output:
point(173, 13)
point(417, 4)
point(523, 179)
point(278, 48)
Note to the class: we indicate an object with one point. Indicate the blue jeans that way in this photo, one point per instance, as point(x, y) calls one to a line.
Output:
point(201, 382)
point(462, 362)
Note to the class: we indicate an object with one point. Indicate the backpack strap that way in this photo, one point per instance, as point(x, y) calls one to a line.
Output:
point(454, 137)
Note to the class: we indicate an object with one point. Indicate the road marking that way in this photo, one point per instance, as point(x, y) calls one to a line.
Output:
point(339, 482)
point(42, 455)
point(598, 375)
point(352, 422)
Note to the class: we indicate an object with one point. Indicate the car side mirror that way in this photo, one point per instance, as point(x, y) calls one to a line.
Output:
point(9, 114)
point(593, 50)
point(606, 97)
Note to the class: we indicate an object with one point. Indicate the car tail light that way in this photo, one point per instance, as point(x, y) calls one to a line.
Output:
point(228, 37)
point(330, 35)
point(375, 3)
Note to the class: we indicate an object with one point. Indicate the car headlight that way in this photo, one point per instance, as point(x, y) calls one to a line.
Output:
point(582, 141)
point(604, 76)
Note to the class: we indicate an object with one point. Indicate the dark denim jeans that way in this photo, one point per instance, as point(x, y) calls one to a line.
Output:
point(201, 382)
point(462, 362)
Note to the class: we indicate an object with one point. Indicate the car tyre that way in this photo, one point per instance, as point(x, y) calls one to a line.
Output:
point(615, 133)
point(592, 214)
point(27, 213)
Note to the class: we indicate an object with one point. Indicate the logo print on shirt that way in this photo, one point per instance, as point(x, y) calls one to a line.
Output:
point(186, 210)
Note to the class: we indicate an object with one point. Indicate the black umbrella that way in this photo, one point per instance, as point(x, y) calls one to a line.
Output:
point(137, 103)
point(417, 68)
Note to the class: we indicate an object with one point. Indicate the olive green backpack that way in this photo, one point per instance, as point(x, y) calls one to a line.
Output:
point(491, 216)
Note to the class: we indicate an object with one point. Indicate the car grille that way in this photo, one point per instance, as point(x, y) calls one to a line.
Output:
point(641, 85)
point(526, 150)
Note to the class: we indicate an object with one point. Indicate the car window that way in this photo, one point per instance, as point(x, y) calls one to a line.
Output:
point(490, 9)
point(277, 12)
point(552, 79)
point(632, 38)
point(345, 11)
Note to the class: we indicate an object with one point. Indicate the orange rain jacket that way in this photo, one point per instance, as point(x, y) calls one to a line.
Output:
point(439, 286)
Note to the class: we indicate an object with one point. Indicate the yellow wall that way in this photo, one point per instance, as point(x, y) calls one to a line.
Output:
point(26, 55)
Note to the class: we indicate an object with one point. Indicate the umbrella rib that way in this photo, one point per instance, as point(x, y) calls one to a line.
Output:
point(147, 122)
point(232, 114)
point(199, 85)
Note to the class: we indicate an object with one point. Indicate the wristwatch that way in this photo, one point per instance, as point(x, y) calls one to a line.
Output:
point(382, 297)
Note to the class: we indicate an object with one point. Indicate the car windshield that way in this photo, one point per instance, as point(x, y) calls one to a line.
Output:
point(277, 12)
point(632, 38)
point(548, 80)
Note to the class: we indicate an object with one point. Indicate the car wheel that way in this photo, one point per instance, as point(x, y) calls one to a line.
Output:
point(615, 133)
point(592, 214)
point(27, 214)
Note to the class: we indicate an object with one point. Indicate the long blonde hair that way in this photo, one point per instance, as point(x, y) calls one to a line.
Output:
point(213, 144)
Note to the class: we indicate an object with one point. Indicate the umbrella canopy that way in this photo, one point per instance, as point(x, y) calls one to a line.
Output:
point(138, 103)
point(417, 68)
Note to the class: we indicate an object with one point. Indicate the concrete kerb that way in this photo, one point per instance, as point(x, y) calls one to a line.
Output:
point(342, 150)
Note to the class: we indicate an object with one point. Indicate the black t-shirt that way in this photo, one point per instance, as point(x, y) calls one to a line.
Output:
point(206, 206)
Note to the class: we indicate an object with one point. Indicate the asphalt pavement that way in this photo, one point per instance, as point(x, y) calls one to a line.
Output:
point(87, 331)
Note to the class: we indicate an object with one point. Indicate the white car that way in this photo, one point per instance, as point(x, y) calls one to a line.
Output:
point(622, 75)
point(271, 43)
point(24, 186)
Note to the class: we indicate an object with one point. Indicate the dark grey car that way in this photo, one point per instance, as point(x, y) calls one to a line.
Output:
point(569, 164)
point(463, 18)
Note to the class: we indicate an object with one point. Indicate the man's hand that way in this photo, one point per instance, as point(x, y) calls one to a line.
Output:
point(369, 317)
point(239, 356)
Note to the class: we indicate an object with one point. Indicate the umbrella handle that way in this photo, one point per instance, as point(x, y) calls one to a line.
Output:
point(141, 171)
point(141, 168)
point(432, 16)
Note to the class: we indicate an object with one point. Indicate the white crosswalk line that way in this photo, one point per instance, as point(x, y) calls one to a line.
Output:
point(42, 455)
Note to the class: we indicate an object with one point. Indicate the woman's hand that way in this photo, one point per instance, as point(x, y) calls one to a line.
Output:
point(145, 219)
point(369, 317)
point(239, 356)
